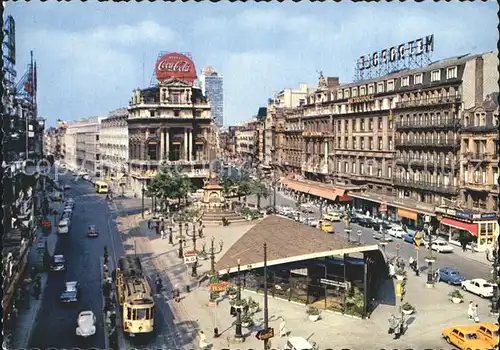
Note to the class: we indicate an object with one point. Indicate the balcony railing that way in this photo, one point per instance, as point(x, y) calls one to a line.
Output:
point(478, 156)
point(426, 143)
point(313, 134)
point(429, 163)
point(477, 186)
point(479, 129)
point(448, 123)
point(428, 186)
point(429, 101)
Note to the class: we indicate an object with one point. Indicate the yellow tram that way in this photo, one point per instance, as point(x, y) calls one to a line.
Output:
point(135, 297)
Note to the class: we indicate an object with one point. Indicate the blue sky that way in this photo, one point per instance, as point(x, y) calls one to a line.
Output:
point(90, 55)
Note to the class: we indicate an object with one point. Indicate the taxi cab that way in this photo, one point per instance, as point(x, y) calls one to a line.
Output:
point(465, 337)
point(488, 332)
point(332, 217)
point(327, 227)
point(92, 231)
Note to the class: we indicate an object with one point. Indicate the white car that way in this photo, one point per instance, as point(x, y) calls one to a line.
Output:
point(479, 286)
point(396, 231)
point(310, 222)
point(63, 227)
point(441, 247)
point(85, 324)
point(70, 203)
point(68, 210)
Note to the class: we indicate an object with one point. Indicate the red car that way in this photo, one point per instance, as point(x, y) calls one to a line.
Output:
point(92, 232)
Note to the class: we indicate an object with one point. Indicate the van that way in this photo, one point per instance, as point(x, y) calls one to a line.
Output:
point(298, 343)
point(327, 227)
point(63, 227)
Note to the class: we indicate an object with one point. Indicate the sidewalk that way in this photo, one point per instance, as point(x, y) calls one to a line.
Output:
point(28, 316)
point(434, 311)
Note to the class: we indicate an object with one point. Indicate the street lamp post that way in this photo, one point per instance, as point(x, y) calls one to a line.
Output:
point(359, 233)
point(213, 252)
point(430, 258)
point(492, 256)
point(195, 264)
point(238, 336)
point(383, 242)
point(170, 234)
point(143, 190)
point(181, 253)
point(347, 229)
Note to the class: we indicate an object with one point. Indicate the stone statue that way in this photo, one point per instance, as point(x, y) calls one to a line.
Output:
point(322, 80)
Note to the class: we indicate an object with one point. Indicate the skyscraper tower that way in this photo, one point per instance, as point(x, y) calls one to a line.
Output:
point(212, 87)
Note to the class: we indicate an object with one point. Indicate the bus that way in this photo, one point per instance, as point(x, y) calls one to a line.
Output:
point(101, 187)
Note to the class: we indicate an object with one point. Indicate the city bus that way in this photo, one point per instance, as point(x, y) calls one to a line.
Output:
point(101, 187)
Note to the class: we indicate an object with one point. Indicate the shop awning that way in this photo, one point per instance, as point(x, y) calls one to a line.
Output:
point(472, 228)
point(330, 194)
point(407, 214)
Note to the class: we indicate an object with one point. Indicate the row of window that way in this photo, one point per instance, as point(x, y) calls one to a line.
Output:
point(364, 143)
point(429, 177)
point(480, 176)
point(425, 118)
point(363, 169)
point(390, 84)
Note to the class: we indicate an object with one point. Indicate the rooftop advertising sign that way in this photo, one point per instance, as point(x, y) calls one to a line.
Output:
point(400, 52)
point(175, 65)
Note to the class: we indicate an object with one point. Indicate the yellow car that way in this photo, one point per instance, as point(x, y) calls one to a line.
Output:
point(465, 338)
point(327, 227)
point(332, 217)
point(488, 332)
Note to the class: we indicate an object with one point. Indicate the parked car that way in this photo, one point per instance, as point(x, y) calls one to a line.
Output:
point(63, 227)
point(375, 224)
point(441, 246)
point(426, 241)
point(488, 332)
point(310, 222)
point(68, 210)
point(327, 227)
point(464, 337)
point(58, 263)
point(67, 187)
point(365, 222)
point(332, 217)
point(85, 324)
point(71, 292)
point(479, 286)
point(409, 237)
point(92, 231)
point(306, 208)
point(70, 202)
point(380, 236)
point(354, 219)
point(396, 231)
point(450, 275)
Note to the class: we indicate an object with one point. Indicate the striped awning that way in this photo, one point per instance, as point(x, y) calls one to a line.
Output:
point(331, 194)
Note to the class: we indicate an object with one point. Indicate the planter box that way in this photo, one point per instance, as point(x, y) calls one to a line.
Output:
point(313, 318)
point(455, 300)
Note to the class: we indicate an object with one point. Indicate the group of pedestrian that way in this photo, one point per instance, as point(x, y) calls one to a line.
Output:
point(396, 326)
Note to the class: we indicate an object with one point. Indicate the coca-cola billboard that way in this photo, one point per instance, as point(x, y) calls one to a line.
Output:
point(175, 65)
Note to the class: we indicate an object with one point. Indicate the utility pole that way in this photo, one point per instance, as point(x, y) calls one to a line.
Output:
point(492, 256)
point(181, 253)
point(195, 264)
point(430, 259)
point(238, 336)
point(266, 306)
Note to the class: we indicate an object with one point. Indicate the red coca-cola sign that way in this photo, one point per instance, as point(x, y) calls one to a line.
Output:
point(175, 65)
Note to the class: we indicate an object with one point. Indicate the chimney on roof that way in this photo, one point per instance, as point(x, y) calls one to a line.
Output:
point(332, 82)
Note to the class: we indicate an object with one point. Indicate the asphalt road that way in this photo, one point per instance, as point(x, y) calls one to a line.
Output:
point(56, 323)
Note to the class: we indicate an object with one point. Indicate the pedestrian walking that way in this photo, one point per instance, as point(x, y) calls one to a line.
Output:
point(162, 232)
point(475, 313)
point(283, 330)
point(398, 328)
point(203, 340)
point(149, 224)
point(392, 324)
point(470, 311)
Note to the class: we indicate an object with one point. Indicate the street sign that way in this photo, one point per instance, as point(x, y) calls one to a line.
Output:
point(383, 207)
point(265, 334)
point(218, 287)
point(398, 246)
point(190, 257)
point(418, 239)
point(332, 283)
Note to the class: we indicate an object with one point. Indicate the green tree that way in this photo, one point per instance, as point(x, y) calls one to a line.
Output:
point(259, 189)
point(169, 183)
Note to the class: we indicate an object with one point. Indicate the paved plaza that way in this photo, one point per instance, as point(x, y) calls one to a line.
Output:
point(193, 314)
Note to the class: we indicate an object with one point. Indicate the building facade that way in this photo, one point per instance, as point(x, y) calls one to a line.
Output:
point(212, 85)
point(114, 143)
point(82, 145)
point(53, 141)
point(416, 142)
point(170, 124)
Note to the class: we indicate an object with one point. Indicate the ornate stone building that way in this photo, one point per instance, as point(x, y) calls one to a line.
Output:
point(114, 143)
point(82, 145)
point(169, 124)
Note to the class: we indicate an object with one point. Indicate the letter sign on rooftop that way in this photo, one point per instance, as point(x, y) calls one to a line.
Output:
point(175, 65)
